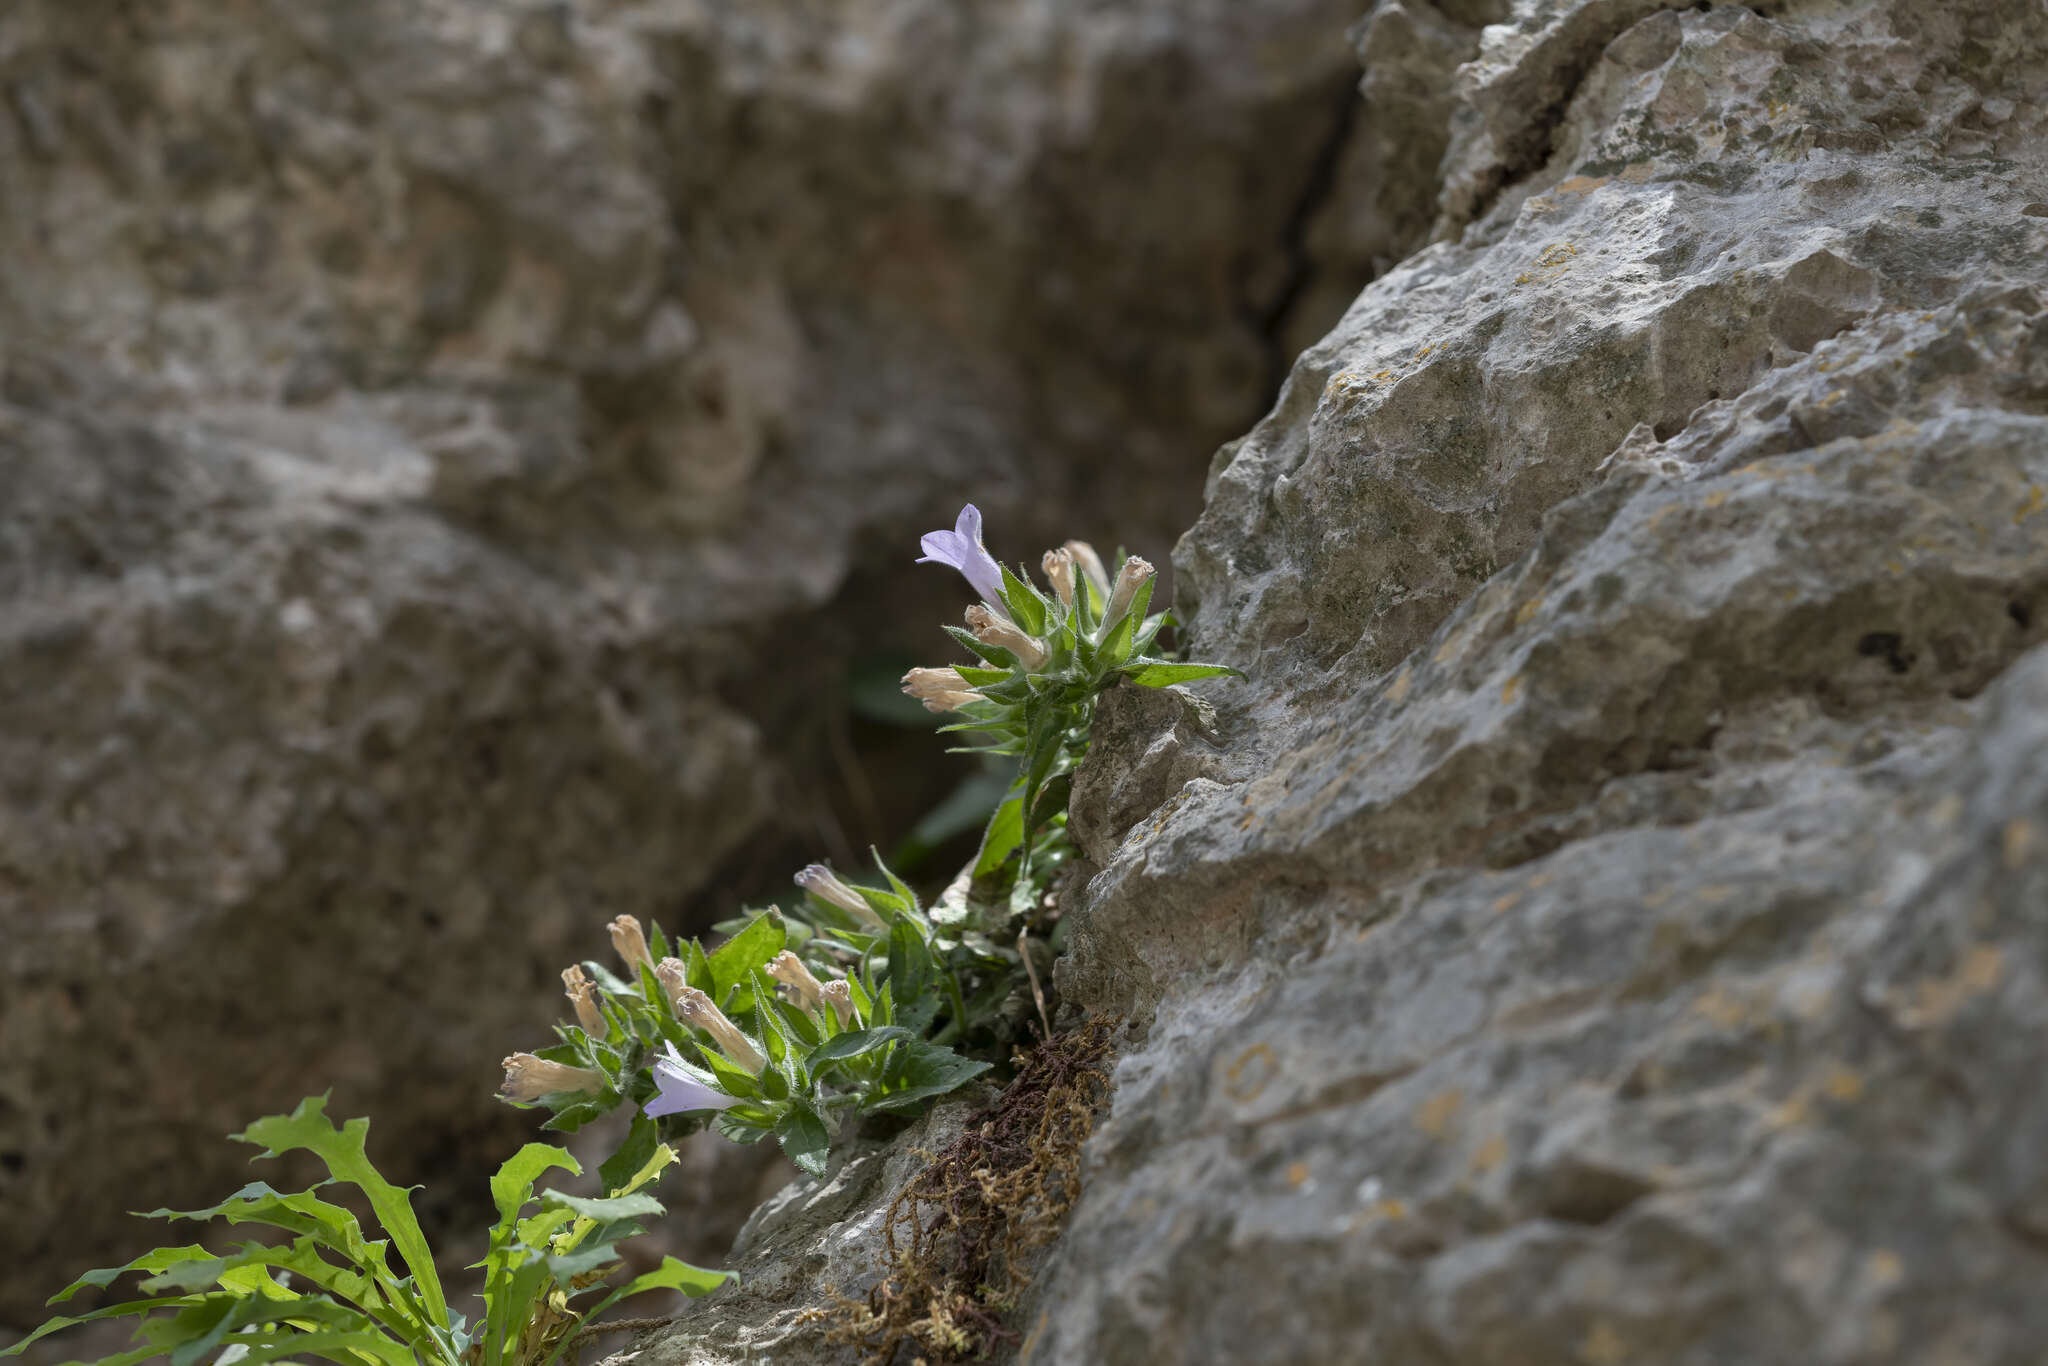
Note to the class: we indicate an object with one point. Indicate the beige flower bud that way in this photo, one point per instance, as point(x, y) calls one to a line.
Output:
point(840, 997)
point(991, 629)
point(802, 989)
point(674, 978)
point(1128, 580)
point(529, 1078)
point(952, 701)
point(1090, 564)
point(924, 684)
point(695, 1009)
point(823, 884)
point(583, 996)
point(1059, 572)
point(630, 943)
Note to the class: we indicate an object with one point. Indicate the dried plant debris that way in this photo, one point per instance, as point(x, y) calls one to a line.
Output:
point(962, 1234)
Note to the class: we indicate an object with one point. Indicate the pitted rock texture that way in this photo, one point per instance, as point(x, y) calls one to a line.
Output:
point(452, 450)
point(1611, 924)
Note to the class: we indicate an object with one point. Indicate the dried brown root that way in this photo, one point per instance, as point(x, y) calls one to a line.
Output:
point(960, 1236)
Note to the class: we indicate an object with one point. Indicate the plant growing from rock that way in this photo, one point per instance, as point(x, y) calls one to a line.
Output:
point(329, 1291)
point(863, 1000)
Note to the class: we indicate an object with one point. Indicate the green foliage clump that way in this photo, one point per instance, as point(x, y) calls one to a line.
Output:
point(329, 1291)
point(861, 1000)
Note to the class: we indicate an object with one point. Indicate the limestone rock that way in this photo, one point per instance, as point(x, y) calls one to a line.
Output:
point(1610, 924)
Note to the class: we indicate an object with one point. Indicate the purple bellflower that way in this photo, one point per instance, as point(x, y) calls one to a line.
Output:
point(961, 549)
point(680, 1091)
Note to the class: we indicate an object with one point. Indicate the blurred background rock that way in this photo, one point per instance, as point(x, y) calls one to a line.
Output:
point(462, 462)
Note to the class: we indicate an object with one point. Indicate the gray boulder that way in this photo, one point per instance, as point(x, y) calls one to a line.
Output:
point(1610, 925)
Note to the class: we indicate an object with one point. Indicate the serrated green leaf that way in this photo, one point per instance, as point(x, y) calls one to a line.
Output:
point(992, 655)
point(512, 1185)
point(156, 1259)
point(605, 1208)
point(343, 1151)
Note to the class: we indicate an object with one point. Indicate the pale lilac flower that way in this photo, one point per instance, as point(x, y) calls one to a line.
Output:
point(680, 1090)
point(961, 549)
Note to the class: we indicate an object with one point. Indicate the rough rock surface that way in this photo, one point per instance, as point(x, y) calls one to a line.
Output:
point(1612, 923)
point(430, 432)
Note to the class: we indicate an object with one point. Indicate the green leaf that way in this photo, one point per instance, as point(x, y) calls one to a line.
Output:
point(993, 655)
point(673, 1274)
point(1005, 832)
point(605, 1208)
point(157, 1259)
point(751, 948)
point(922, 1070)
point(910, 962)
point(641, 1141)
point(1027, 608)
point(343, 1151)
point(853, 1044)
point(1161, 673)
point(1052, 799)
point(978, 678)
point(512, 1186)
point(804, 1138)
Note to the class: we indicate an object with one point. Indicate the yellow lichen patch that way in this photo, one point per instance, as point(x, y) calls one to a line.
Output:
point(1714, 499)
point(2017, 842)
point(1557, 254)
point(1250, 1073)
point(1581, 184)
point(1722, 1006)
point(1435, 1114)
point(1937, 1000)
point(1527, 611)
point(1490, 1154)
point(2036, 499)
point(1506, 903)
point(1297, 1174)
point(1602, 1345)
point(1834, 396)
point(1398, 689)
point(1510, 690)
point(1884, 1268)
point(1391, 1209)
point(1843, 1084)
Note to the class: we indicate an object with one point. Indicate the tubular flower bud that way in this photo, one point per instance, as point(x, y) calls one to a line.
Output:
point(695, 1009)
point(991, 629)
point(821, 883)
point(1091, 565)
point(840, 997)
point(528, 1078)
point(1128, 580)
point(1059, 572)
point(583, 996)
point(940, 689)
point(674, 979)
point(804, 990)
point(631, 944)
